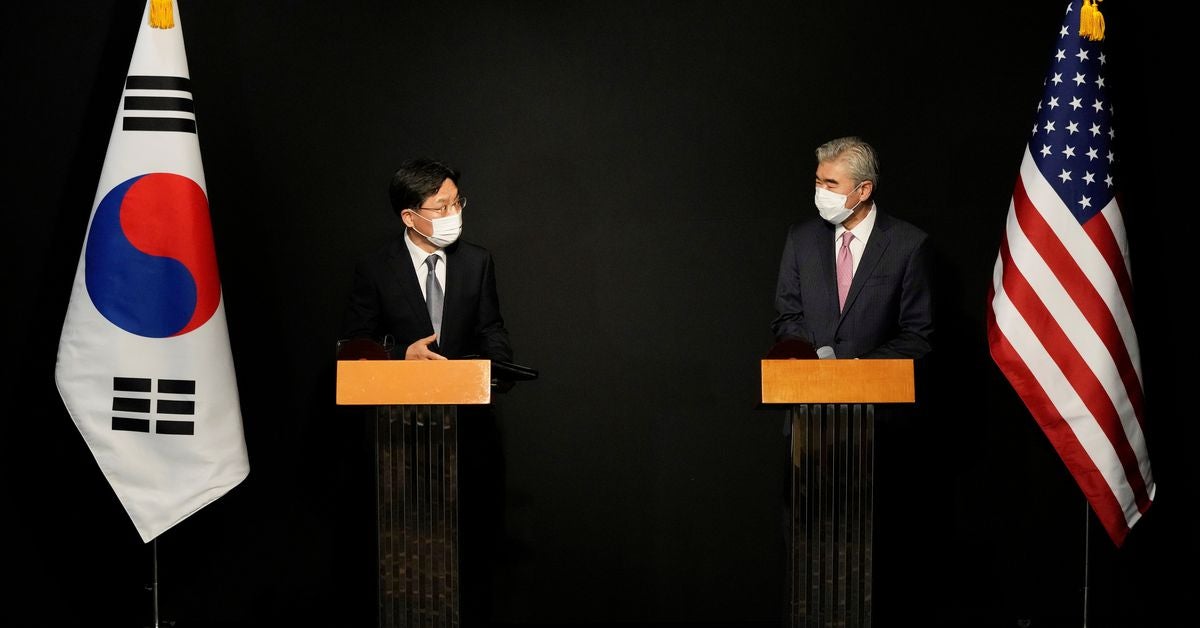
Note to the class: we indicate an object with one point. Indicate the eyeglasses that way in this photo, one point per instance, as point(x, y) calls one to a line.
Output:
point(458, 204)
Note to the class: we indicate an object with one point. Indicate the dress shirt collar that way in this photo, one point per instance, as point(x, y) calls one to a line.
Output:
point(862, 231)
point(419, 256)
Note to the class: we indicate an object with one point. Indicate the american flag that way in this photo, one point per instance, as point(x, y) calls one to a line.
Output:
point(1060, 309)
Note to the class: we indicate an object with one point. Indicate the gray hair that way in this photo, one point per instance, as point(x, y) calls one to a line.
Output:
point(858, 155)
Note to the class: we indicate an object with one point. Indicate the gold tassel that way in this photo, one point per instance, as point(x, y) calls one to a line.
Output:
point(162, 15)
point(1091, 21)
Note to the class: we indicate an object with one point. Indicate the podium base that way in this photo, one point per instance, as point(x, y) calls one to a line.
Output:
point(830, 543)
point(417, 515)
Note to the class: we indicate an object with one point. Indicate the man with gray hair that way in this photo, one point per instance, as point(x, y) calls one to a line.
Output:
point(854, 282)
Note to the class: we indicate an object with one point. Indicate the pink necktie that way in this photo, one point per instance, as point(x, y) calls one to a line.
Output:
point(845, 269)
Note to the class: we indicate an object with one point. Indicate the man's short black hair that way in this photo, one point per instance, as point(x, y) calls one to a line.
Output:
point(417, 180)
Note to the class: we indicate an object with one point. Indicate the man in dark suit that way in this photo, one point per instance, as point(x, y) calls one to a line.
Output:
point(435, 294)
point(853, 283)
point(863, 295)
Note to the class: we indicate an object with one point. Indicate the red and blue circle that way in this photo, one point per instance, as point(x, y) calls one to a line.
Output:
point(150, 264)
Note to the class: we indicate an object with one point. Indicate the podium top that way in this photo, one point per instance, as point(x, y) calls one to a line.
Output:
point(414, 382)
point(838, 381)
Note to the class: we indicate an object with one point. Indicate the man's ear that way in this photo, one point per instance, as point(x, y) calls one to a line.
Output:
point(406, 218)
point(867, 189)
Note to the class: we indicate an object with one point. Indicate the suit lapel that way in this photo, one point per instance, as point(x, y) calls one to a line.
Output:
point(876, 246)
point(402, 269)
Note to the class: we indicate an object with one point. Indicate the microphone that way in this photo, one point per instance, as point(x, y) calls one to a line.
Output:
point(825, 353)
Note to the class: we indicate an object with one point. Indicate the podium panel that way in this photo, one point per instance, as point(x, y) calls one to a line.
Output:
point(416, 460)
point(838, 381)
point(830, 544)
point(414, 382)
point(416, 454)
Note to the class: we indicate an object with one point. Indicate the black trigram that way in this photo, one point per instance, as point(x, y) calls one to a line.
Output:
point(139, 406)
point(140, 110)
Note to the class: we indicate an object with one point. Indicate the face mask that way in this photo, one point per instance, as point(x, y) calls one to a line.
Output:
point(832, 205)
point(445, 229)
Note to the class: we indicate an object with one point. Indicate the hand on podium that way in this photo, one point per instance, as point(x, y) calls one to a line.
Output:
point(419, 350)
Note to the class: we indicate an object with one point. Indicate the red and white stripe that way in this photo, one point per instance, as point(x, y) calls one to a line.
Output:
point(1060, 327)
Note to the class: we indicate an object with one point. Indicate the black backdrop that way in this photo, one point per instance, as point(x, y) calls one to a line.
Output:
point(633, 166)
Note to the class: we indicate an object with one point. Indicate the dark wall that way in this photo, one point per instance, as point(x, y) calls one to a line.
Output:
point(633, 166)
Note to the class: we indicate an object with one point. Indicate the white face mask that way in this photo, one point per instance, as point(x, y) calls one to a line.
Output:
point(445, 229)
point(832, 205)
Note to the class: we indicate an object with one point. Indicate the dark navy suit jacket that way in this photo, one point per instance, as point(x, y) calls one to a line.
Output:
point(387, 299)
point(889, 310)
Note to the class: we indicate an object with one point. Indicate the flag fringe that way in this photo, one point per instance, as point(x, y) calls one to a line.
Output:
point(1091, 21)
point(162, 14)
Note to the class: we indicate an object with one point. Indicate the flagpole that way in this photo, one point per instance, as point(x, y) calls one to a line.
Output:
point(1087, 511)
point(154, 582)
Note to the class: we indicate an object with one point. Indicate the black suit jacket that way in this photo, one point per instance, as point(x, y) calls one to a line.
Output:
point(387, 299)
point(889, 310)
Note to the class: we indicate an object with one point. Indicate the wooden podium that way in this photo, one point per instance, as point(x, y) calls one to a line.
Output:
point(416, 458)
point(831, 414)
